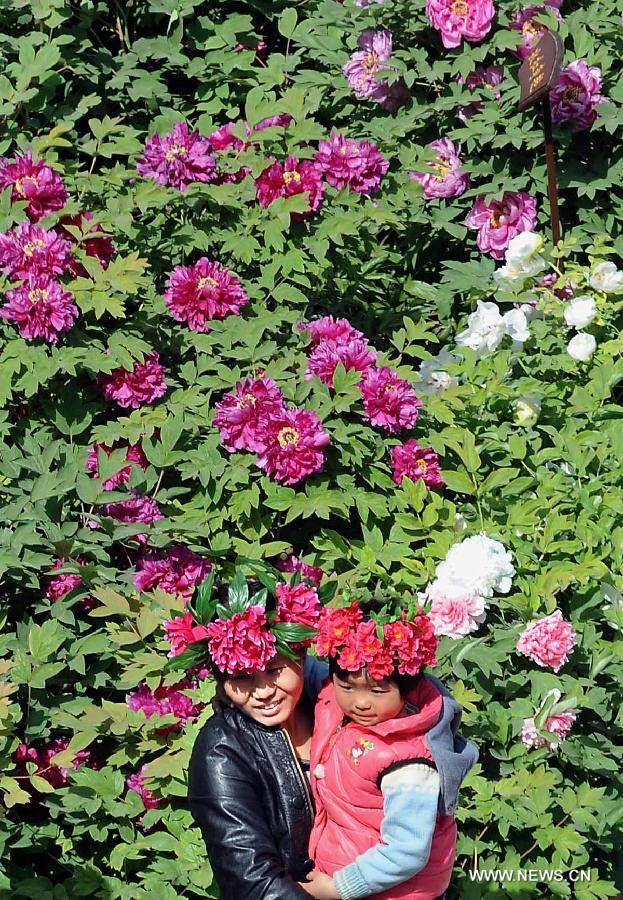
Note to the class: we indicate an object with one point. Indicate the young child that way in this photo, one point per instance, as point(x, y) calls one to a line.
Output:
point(386, 763)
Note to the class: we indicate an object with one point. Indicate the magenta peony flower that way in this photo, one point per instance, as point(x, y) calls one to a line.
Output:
point(330, 329)
point(293, 176)
point(177, 571)
point(41, 308)
point(30, 250)
point(59, 585)
point(99, 247)
point(325, 356)
point(548, 641)
point(165, 700)
point(178, 158)
point(136, 509)
point(388, 401)
point(501, 220)
point(35, 182)
point(241, 643)
point(489, 78)
point(294, 445)
point(357, 165)
point(183, 631)
point(456, 616)
point(136, 783)
point(298, 603)
point(240, 414)
point(531, 30)
point(196, 294)
point(364, 64)
point(294, 564)
point(415, 462)
point(134, 454)
point(144, 384)
point(444, 178)
point(458, 19)
point(576, 95)
point(53, 774)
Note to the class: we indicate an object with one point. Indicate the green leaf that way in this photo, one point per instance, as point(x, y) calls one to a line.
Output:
point(287, 22)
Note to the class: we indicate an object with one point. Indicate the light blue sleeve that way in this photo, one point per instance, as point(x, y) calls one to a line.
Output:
point(314, 673)
point(410, 795)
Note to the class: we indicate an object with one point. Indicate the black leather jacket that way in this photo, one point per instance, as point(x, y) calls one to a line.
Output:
point(253, 804)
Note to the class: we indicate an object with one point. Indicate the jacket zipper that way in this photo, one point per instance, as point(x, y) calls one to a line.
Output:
point(303, 779)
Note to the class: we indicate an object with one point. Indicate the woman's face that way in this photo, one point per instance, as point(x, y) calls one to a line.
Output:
point(269, 697)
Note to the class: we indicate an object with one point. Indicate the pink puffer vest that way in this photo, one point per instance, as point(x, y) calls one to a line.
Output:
point(345, 764)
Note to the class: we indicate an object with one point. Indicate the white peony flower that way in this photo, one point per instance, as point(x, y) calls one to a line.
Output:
point(434, 378)
point(523, 247)
point(582, 346)
point(516, 325)
point(475, 567)
point(485, 328)
point(522, 260)
point(580, 311)
point(527, 410)
point(606, 277)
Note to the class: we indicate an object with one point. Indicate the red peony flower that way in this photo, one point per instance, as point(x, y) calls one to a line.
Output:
point(177, 571)
point(183, 631)
point(330, 329)
point(41, 308)
point(389, 401)
point(415, 462)
point(241, 643)
point(144, 384)
point(350, 658)
point(288, 178)
point(294, 445)
point(345, 162)
point(134, 454)
point(30, 250)
point(294, 564)
point(100, 247)
point(335, 625)
point(53, 774)
point(196, 294)
point(240, 414)
point(356, 355)
point(35, 182)
point(298, 603)
point(178, 158)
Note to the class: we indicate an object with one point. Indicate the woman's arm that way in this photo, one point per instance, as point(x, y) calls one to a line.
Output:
point(410, 796)
point(227, 807)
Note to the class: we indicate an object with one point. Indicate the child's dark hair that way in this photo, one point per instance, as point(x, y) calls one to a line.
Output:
point(404, 683)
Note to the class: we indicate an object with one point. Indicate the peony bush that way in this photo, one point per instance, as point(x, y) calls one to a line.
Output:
point(278, 283)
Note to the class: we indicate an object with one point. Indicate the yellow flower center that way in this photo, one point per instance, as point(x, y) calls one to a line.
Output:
point(174, 152)
point(31, 246)
point(291, 176)
point(37, 294)
point(571, 94)
point(370, 62)
point(460, 8)
point(19, 184)
point(390, 388)
point(421, 465)
point(288, 437)
point(531, 29)
point(246, 401)
point(494, 218)
point(206, 281)
point(442, 167)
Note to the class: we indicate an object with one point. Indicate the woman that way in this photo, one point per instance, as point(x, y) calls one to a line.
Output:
point(247, 788)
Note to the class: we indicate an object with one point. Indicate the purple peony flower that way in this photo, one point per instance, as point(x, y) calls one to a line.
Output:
point(208, 290)
point(530, 29)
point(41, 308)
point(34, 182)
point(489, 78)
point(444, 178)
point(30, 250)
point(364, 64)
point(576, 95)
point(498, 221)
point(130, 389)
point(178, 158)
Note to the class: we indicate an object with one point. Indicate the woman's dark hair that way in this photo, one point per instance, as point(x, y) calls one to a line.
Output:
point(404, 683)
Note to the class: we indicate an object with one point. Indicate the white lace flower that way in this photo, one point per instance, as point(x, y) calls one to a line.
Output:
point(580, 311)
point(477, 567)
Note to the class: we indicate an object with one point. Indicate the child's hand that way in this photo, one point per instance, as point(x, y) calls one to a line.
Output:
point(320, 886)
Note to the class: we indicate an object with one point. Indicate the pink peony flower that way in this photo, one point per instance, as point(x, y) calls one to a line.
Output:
point(41, 308)
point(415, 462)
point(444, 178)
point(178, 158)
point(294, 564)
point(357, 165)
point(241, 643)
point(136, 509)
point(99, 247)
point(560, 725)
point(298, 603)
point(134, 454)
point(458, 19)
point(224, 138)
point(294, 445)
point(324, 358)
point(144, 384)
point(499, 221)
point(261, 50)
point(531, 30)
point(30, 250)
point(548, 641)
point(136, 783)
point(457, 616)
point(388, 401)
point(35, 182)
point(330, 329)
point(196, 294)
point(576, 95)
point(183, 631)
point(53, 774)
point(240, 414)
point(481, 77)
point(175, 571)
point(364, 65)
point(293, 176)
point(165, 700)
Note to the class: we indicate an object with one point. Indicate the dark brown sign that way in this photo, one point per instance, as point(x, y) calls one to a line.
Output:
point(539, 71)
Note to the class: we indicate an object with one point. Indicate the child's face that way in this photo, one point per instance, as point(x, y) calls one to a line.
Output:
point(269, 697)
point(367, 702)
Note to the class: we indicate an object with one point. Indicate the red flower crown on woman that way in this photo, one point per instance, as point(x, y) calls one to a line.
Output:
point(242, 635)
point(404, 642)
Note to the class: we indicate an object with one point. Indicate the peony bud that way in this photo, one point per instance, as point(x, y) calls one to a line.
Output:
point(580, 311)
point(582, 346)
point(527, 410)
point(606, 277)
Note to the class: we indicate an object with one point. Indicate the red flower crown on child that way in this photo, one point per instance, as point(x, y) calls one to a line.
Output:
point(405, 642)
point(241, 635)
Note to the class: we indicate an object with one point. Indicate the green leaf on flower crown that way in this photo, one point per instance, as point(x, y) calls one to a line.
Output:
point(204, 603)
point(259, 599)
point(285, 649)
point(326, 593)
point(238, 593)
point(193, 656)
point(293, 632)
point(223, 612)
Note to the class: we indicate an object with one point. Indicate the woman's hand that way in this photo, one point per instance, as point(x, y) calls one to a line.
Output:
point(320, 886)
